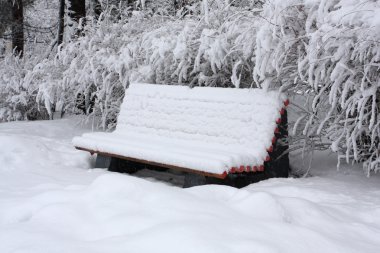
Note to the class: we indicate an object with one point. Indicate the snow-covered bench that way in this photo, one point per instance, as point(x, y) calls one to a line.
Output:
point(210, 131)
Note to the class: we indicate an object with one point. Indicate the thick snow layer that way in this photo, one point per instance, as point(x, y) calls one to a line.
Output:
point(50, 202)
point(208, 129)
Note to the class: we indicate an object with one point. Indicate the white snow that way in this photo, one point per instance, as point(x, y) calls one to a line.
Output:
point(51, 202)
point(207, 129)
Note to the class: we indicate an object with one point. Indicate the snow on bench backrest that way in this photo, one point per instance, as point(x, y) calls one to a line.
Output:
point(224, 118)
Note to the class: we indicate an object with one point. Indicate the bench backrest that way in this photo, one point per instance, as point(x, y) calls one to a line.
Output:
point(237, 118)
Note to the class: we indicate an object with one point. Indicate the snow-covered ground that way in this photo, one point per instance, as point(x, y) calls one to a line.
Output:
point(50, 201)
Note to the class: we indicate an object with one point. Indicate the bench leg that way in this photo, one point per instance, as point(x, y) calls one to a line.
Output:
point(102, 161)
point(279, 166)
point(124, 166)
point(194, 180)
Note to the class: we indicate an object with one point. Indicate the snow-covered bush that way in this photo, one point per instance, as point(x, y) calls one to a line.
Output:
point(329, 51)
point(214, 49)
point(92, 72)
point(17, 97)
point(21, 80)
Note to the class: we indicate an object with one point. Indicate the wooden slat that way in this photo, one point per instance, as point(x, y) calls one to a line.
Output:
point(207, 174)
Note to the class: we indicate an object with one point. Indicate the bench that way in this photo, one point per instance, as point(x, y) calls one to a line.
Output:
point(217, 133)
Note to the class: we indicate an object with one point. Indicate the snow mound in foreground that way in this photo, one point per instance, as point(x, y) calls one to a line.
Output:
point(53, 205)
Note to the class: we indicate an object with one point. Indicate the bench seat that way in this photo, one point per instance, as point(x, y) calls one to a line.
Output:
point(209, 130)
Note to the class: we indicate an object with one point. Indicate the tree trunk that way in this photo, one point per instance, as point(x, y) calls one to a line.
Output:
point(18, 27)
point(77, 9)
point(61, 21)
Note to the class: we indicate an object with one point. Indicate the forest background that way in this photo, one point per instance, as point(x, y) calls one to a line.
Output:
point(79, 57)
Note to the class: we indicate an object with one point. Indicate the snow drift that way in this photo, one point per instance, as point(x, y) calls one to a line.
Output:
point(51, 202)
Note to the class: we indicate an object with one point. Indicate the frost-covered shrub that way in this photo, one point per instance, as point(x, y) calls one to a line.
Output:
point(191, 50)
point(330, 51)
point(95, 69)
point(17, 97)
point(23, 82)
point(215, 49)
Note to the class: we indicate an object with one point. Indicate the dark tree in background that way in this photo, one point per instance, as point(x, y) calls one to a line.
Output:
point(17, 27)
point(77, 9)
point(61, 21)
